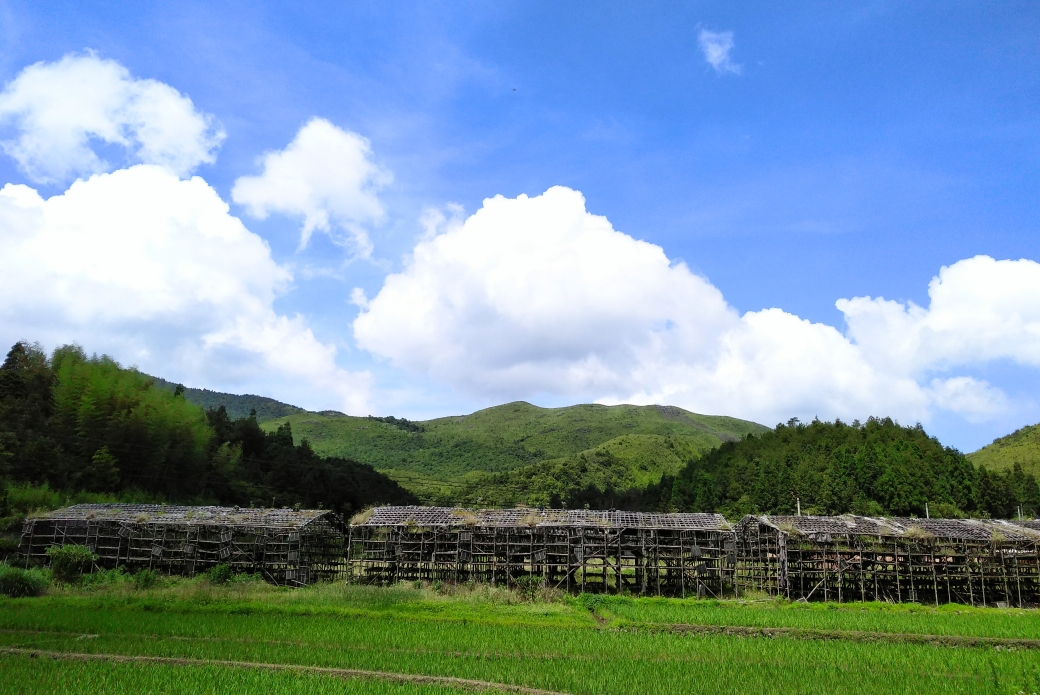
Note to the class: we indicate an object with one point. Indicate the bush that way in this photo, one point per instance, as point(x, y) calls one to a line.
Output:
point(16, 583)
point(528, 587)
point(145, 579)
point(69, 562)
point(221, 574)
point(106, 577)
point(946, 510)
point(8, 545)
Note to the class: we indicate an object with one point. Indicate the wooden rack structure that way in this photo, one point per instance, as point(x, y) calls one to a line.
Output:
point(855, 558)
point(286, 546)
point(843, 558)
point(575, 550)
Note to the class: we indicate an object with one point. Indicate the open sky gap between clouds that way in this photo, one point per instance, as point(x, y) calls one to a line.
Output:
point(526, 297)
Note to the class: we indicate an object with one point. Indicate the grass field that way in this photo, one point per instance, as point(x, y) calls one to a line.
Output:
point(189, 636)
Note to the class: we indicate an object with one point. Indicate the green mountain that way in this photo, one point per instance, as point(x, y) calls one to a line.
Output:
point(1021, 446)
point(518, 445)
point(236, 406)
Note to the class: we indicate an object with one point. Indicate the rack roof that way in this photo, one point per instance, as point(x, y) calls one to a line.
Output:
point(957, 529)
point(171, 514)
point(457, 516)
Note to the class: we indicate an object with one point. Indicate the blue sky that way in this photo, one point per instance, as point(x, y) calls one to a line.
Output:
point(843, 151)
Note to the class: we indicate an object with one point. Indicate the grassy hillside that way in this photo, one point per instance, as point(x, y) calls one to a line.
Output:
point(444, 458)
point(501, 438)
point(605, 476)
point(1022, 446)
point(237, 406)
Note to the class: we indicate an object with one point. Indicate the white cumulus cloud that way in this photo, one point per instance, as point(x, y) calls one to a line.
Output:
point(980, 309)
point(716, 47)
point(154, 270)
point(327, 176)
point(60, 111)
point(534, 296)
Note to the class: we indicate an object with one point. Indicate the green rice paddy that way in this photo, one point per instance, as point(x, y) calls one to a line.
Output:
point(559, 644)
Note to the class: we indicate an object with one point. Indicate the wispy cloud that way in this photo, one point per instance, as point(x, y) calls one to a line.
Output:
point(716, 46)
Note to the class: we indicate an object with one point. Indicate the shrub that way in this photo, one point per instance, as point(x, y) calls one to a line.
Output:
point(69, 562)
point(221, 574)
point(145, 579)
point(8, 545)
point(16, 583)
point(105, 578)
point(946, 510)
point(528, 587)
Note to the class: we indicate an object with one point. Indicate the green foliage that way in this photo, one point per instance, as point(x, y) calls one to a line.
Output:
point(84, 423)
point(146, 578)
point(1021, 447)
point(69, 562)
point(628, 472)
point(106, 578)
point(528, 587)
point(945, 510)
point(26, 498)
point(875, 468)
point(502, 438)
point(400, 423)
point(255, 465)
point(83, 429)
point(448, 459)
point(236, 406)
point(118, 431)
point(221, 574)
point(18, 583)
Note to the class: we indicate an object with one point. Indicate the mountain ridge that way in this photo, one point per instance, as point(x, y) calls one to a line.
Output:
point(237, 405)
point(444, 458)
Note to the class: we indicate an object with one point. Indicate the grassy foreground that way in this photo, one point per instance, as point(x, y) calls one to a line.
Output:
point(189, 636)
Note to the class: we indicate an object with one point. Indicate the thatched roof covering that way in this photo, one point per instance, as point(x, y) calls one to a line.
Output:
point(955, 529)
point(455, 516)
point(200, 516)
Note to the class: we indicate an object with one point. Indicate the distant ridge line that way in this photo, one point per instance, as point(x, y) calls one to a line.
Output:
point(237, 406)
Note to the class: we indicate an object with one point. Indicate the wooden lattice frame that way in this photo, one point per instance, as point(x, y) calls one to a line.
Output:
point(976, 562)
point(287, 547)
point(575, 550)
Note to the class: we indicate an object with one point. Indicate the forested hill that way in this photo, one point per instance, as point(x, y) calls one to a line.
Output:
point(503, 437)
point(237, 406)
point(876, 468)
point(78, 423)
point(1021, 447)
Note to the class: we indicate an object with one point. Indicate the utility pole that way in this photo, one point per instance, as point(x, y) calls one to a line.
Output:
point(798, 501)
point(926, 514)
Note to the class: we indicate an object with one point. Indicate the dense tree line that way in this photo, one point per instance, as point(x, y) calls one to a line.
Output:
point(84, 423)
point(875, 468)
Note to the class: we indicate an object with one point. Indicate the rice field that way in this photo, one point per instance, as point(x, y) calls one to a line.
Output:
point(24, 674)
point(211, 639)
